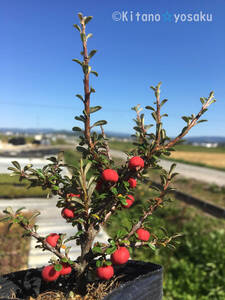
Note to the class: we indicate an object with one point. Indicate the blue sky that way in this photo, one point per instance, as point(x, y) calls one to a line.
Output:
point(39, 80)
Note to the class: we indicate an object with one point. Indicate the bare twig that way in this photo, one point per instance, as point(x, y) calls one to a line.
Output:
point(35, 235)
point(86, 88)
point(150, 211)
point(191, 124)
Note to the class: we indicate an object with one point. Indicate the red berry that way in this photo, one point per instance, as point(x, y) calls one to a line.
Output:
point(120, 256)
point(136, 162)
point(143, 235)
point(52, 239)
point(132, 182)
point(73, 195)
point(110, 175)
point(49, 273)
point(129, 200)
point(105, 272)
point(67, 213)
point(66, 269)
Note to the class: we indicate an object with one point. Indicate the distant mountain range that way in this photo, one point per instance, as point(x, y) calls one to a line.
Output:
point(197, 139)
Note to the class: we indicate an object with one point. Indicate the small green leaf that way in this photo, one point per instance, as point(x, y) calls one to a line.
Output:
point(97, 250)
point(95, 73)
point(80, 97)
point(202, 99)
point(154, 116)
point(186, 119)
point(12, 169)
point(16, 164)
point(80, 15)
point(98, 123)
point(81, 149)
point(64, 259)
point(163, 102)
point(55, 188)
point(6, 219)
point(76, 129)
point(201, 121)
point(77, 27)
point(164, 115)
point(78, 200)
point(149, 107)
point(99, 263)
point(77, 61)
point(94, 109)
point(58, 267)
point(92, 53)
point(114, 190)
point(8, 210)
point(173, 166)
point(153, 247)
point(111, 250)
point(87, 19)
point(19, 209)
point(89, 35)
point(95, 216)
point(92, 90)
point(80, 118)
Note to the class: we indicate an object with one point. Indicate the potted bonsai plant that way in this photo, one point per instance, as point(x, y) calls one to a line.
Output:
point(96, 190)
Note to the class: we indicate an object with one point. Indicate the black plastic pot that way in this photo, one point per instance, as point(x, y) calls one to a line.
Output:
point(142, 281)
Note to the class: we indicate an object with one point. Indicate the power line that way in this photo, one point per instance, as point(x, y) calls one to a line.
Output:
point(57, 106)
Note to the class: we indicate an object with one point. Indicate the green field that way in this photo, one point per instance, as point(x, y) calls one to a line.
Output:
point(11, 188)
point(14, 249)
point(195, 269)
point(126, 146)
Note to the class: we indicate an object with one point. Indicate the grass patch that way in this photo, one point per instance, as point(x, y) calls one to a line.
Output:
point(201, 190)
point(14, 249)
point(11, 188)
point(195, 270)
point(72, 157)
point(122, 146)
point(198, 164)
point(191, 148)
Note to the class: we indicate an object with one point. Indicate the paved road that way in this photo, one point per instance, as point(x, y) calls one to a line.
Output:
point(5, 162)
point(189, 171)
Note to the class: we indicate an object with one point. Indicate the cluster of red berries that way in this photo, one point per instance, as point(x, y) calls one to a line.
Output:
point(68, 213)
point(49, 273)
point(120, 256)
point(109, 175)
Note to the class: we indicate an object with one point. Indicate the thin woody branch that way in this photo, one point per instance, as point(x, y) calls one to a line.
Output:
point(35, 235)
point(158, 116)
point(152, 208)
point(191, 124)
point(87, 130)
